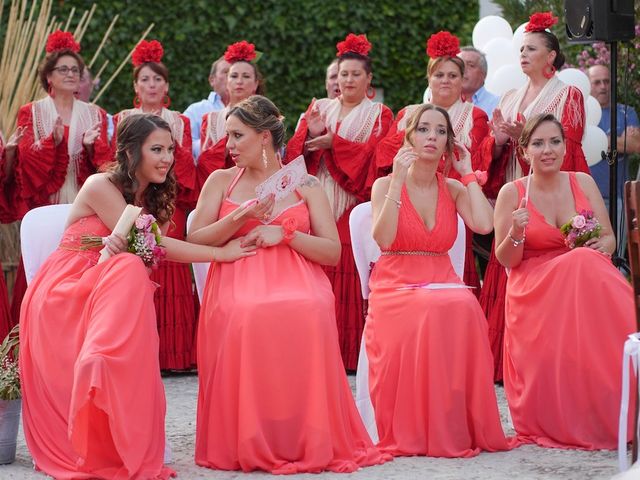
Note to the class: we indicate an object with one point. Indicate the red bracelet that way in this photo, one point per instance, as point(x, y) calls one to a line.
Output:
point(469, 178)
point(289, 229)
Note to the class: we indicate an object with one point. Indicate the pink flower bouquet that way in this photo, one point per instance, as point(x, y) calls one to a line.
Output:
point(581, 228)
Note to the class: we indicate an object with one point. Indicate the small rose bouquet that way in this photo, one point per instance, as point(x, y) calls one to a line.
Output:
point(581, 228)
point(143, 240)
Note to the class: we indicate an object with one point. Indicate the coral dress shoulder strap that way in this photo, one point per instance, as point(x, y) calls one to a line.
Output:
point(579, 197)
point(234, 182)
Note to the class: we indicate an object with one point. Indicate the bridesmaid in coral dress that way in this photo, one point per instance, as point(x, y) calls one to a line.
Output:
point(273, 393)
point(93, 398)
point(430, 375)
point(562, 368)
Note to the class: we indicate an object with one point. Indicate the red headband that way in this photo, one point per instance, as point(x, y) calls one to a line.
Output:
point(443, 44)
point(147, 51)
point(240, 52)
point(538, 22)
point(60, 40)
point(354, 44)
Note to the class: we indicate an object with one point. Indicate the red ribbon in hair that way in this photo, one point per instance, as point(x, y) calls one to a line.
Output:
point(60, 40)
point(240, 52)
point(540, 21)
point(147, 51)
point(443, 44)
point(355, 44)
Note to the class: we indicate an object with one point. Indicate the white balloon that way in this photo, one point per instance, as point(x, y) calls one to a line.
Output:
point(573, 76)
point(518, 37)
point(593, 110)
point(488, 28)
point(499, 52)
point(594, 142)
point(506, 78)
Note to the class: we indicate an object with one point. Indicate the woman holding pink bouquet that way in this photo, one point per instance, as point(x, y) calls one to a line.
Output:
point(563, 345)
point(93, 398)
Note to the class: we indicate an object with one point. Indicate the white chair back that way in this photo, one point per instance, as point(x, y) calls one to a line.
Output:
point(40, 234)
point(366, 251)
point(200, 270)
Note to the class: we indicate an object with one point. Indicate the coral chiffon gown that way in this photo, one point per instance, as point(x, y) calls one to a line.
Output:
point(430, 365)
point(568, 314)
point(93, 399)
point(273, 393)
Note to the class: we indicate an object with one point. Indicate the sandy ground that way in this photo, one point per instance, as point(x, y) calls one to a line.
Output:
point(524, 463)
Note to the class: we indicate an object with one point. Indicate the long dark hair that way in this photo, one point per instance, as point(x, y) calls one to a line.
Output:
point(158, 198)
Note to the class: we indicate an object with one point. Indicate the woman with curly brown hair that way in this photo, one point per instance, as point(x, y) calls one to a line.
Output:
point(89, 344)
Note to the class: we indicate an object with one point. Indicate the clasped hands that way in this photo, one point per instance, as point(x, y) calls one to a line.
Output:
point(503, 129)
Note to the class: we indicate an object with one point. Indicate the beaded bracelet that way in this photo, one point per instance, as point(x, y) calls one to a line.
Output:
point(469, 178)
point(515, 242)
point(397, 202)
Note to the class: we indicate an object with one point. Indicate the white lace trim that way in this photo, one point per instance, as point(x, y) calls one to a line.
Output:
point(358, 125)
point(215, 127)
point(175, 121)
point(339, 199)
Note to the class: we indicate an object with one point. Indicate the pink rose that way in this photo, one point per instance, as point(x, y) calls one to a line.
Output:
point(143, 222)
point(578, 221)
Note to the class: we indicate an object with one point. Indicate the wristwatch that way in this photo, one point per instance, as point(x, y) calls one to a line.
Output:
point(289, 229)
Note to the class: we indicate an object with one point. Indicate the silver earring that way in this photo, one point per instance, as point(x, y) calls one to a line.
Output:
point(264, 158)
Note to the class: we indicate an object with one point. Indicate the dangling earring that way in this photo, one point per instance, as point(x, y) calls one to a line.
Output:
point(371, 92)
point(51, 91)
point(549, 71)
point(264, 158)
point(137, 103)
point(166, 101)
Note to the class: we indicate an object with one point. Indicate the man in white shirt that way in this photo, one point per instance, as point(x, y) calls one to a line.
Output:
point(217, 100)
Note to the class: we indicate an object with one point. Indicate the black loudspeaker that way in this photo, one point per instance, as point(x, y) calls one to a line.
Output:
point(599, 20)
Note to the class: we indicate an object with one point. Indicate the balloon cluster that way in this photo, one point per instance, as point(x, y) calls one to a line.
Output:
point(494, 37)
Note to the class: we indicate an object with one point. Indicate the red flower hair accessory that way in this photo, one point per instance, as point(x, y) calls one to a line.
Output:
point(355, 44)
point(240, 52)
point(60, 40)
point(540, 21)
point(443, 44)
point(147, 51)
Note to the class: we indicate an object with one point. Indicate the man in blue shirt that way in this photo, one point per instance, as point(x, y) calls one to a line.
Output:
point(217, 100)
point(475, 73)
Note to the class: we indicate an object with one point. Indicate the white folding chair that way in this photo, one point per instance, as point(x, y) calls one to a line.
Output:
point(365, 253)
point(40, 233)
point(200, 270)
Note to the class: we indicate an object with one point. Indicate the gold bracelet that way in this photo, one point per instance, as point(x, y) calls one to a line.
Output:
point(397, 202)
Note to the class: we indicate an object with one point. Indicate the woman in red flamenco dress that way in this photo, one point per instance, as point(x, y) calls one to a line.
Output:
point(338, 139)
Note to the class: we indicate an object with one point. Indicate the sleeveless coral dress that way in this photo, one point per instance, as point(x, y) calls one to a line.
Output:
point(568, 314)
point(430, 364)
point(273, 393)
point(93, 400)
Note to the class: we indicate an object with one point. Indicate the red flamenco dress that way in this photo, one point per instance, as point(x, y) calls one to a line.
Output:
point(213, 154)
point(349, 168)
point(43, 170)
point(430, 365)
point(174, 297)
point(273, 394)
point(495, 280)
point(568, 314)
point(7, 215)
point(93, 400)
point(470, 124)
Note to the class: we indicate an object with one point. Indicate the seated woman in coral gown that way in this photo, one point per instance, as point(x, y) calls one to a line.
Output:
point(568, 311)
point(273, 393)
point(93, 398)
point(430, 376)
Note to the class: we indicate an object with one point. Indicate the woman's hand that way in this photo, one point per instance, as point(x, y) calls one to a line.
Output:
point(514, 129)
point(598, 245)
point(115, 244)
point(519, 219)
point(263, 236)
point(496, 125)
point(402, 162)
point(322, 142)
point(90, 135)
point(15, 138)
point(316, 122)
point(234, 250)
point(58, 131)
point(461, 162)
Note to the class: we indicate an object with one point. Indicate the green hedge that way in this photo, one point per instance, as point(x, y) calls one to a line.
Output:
point(297, 38)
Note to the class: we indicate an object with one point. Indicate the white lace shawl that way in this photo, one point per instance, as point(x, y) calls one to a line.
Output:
point(215, 127)
point(175, 121)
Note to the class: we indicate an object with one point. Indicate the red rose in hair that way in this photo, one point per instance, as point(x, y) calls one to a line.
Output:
point(146, 52)
point(443, 44)
point(540, 21)
point(60, 40)
point(240, 51)
point(355, 44)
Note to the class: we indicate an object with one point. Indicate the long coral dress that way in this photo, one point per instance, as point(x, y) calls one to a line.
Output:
point(346, 172)
point(175, 299)
point(93, 400)
point(568, 314)
point(430, 365)
point(273, 393)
